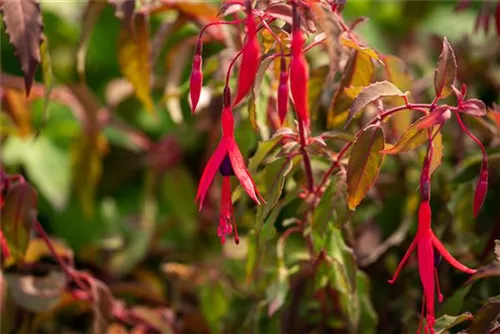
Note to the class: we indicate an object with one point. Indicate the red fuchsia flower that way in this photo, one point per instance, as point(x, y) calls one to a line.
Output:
point(283, 91)
point(228, 160)
point(426, 243)
point(250, 58)
point(299, 72)
point(196, 78)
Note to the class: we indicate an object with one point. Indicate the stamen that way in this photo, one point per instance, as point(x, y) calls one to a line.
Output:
point(440, 296)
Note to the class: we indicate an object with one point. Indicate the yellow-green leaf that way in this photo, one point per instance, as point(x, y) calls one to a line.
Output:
point(134, 49)
point(411, 139)
point(358, 73)
point(347, 42)
point(364, 164)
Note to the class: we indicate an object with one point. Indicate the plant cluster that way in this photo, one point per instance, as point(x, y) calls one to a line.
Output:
point(335, 119)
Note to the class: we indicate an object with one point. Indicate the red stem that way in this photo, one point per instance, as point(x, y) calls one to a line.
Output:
point(462, 125)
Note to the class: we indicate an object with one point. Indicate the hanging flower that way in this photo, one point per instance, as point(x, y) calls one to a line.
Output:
point(227, 159)
point(250, 59)
point(426, 243)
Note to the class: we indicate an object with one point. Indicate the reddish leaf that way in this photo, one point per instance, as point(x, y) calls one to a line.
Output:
point(372, 93)
point(446, 71)
point(481, 187)
point(17, 212)
point(438, 116)
point(474, 107)
point(364, 164)
point(23, 24)
point(280, 11)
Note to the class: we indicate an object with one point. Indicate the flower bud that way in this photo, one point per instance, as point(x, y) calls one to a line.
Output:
point(283, 92)
point(196, 78)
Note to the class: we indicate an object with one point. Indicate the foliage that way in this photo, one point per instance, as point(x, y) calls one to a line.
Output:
point(346, 116)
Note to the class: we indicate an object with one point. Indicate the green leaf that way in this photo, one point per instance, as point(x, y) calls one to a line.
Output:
point(453, 305)
point(47, 166)
point(370, 94)
point(446, 322)
point(446, 71)
point(272, 181)
point(89, 18)
point(277, 291)
point(214, 304)
point(87, 169)
point(364, 164)
point(263, 150)
point(18, 211)
point(484, 317)
point(368, 317)
point(140, 242)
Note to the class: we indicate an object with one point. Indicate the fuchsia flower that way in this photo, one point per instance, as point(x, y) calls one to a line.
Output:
point(196, 78)
point(250, 59)
point(426, 243)
point(299, 73)
point(228, 160)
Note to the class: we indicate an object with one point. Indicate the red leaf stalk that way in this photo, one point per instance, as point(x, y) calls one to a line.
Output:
point(482, 184)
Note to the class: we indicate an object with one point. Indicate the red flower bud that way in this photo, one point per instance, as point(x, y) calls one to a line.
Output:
point(196, 79)
point(481, 187)
point(283, 92)
point(299, 74)
point(249, 60)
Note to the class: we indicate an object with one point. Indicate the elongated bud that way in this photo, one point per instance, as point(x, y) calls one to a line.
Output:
point(299, 73)
point(196, 78)
point(283, 91)
point(249, 60)
point(481, 187)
